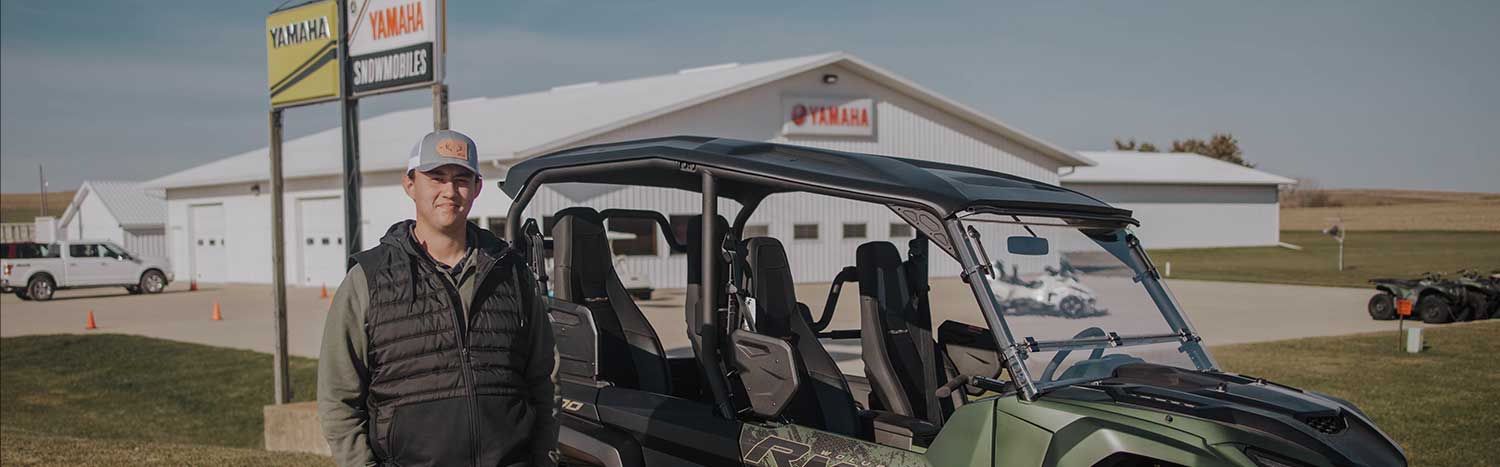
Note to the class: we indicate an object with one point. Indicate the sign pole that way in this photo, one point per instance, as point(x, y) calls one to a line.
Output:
point(283, 378)
point(439, 106)
point(351, 179)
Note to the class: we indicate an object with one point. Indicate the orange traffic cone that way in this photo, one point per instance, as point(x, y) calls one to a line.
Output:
point(193, 285)
point(217, 316)
point(91, 324)
point(324, 294)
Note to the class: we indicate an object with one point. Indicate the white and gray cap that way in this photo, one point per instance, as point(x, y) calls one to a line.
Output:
point(444, 147)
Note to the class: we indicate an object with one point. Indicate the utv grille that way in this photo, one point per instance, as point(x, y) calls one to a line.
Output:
point(1332, 424)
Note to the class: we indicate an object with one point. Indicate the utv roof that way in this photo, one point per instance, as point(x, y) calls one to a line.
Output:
point(750, 170)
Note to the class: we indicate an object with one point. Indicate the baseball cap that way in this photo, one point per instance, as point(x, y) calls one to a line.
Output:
point(444, 147)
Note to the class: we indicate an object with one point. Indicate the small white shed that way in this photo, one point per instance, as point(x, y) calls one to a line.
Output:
point(122, 212)
point(1185, 200)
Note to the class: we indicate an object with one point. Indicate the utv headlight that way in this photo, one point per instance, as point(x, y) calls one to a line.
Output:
point(1266, 459)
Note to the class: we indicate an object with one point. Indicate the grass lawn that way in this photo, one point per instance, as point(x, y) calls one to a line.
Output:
point(137, 389)
point(1367, 255)
point(1441, 405)
point(109, 399)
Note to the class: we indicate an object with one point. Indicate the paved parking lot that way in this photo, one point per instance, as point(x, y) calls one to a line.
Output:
point(1224, 312)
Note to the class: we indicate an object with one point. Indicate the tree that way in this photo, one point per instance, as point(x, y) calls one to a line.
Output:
point(1221, 146)
point(1131, 145)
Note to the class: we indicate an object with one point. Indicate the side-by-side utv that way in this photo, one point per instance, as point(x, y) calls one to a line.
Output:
point(1131, 387)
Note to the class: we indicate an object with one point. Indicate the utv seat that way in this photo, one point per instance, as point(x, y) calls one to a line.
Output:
point(629, 351)
point(823, 401)
point(904, 363)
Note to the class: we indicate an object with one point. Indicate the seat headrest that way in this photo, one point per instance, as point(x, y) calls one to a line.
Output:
point(771, 285)
point(882, 276)
point(695, 242)
point(581, 253)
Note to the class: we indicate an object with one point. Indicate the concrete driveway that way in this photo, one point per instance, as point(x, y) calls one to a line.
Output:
point(1224, 313)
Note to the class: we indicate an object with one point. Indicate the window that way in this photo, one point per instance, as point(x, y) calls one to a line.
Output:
point(644, 243)
point(84, 250)
point(757, 230)
point(900, 230)
point(680, 227)
point(111, 251)
point(805, 231)
point(854, 231)
point(497, 226)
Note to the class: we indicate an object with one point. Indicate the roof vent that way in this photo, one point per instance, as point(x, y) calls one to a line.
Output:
point(570, 87)
point(720, 66)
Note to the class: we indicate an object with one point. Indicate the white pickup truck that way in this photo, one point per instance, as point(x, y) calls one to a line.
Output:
point(35, 270)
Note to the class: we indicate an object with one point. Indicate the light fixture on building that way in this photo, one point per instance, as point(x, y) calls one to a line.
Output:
point(830, 78)
point(255, 189)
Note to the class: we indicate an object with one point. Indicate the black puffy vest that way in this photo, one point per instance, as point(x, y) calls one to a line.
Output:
point(443, 391)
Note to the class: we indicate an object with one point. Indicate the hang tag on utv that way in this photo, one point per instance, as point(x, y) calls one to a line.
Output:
point(750, 306)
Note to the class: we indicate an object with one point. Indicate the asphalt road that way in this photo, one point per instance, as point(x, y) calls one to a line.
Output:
point(1224, 313)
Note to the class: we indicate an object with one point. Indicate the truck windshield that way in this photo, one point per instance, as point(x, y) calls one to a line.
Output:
point(1083, 308)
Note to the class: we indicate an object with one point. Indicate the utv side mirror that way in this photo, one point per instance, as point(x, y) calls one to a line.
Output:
point(1026, 246)
point(768, 369)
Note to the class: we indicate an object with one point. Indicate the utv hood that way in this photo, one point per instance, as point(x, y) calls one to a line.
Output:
point(1329, 426)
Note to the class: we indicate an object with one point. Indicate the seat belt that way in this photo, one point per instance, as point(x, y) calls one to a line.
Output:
point(536, 248)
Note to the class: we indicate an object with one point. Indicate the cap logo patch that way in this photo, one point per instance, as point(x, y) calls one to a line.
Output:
point(453, 148)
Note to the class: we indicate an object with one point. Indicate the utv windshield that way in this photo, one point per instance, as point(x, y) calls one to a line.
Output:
point(1080, 304)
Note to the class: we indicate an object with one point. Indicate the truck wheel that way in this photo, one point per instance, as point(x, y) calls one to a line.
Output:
point(1383, 307)
point(1435, 310)
point(40, 288)
point(153, 281)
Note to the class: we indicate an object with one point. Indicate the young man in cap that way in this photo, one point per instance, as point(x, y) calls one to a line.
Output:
point(437, 348)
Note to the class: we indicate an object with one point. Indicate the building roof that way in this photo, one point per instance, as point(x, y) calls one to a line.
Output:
point(1167, 168)
point(129, 202)
point(750, 170)
point(525, 125)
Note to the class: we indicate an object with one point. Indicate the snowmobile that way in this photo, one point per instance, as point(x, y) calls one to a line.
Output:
point(1134, 387)
point(1057, 292)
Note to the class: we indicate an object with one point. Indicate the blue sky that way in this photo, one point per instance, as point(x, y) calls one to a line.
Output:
point(1353, 94)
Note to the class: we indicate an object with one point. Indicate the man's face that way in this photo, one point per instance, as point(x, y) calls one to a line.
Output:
point(443, 196)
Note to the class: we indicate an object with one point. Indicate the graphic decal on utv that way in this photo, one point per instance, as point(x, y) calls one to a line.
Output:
point(795, 446)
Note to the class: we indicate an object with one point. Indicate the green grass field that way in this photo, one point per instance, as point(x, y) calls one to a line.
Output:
point(1367, 255)
point(109, 399)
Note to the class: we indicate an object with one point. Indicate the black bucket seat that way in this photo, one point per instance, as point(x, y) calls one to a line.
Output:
point(629, 351)
point(904, 363)
point(823, 401)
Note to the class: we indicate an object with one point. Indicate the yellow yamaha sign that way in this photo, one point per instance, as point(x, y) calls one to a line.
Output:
point(302, 53)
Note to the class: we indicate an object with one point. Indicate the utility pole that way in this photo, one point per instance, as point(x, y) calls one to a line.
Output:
point(42, 180)
point(283, 379)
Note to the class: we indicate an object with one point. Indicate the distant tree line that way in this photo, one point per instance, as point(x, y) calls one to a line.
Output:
point(1221, 146)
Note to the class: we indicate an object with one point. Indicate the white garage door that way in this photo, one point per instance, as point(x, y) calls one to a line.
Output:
point(321, 241)
point(207, 245)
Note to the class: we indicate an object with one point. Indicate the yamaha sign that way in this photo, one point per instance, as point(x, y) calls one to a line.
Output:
point(395, 44)
point(827, 116)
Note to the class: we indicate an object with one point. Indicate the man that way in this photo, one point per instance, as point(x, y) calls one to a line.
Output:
point(437, 348)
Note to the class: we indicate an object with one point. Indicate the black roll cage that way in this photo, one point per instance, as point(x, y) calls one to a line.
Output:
point(944, 231)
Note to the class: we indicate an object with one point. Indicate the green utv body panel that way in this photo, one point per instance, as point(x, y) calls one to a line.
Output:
point(967, 439)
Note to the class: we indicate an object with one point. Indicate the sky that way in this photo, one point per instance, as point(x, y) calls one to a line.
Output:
point(1368, 94)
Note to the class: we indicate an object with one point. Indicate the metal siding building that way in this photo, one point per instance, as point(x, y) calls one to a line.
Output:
point(121, 212)
point(735, 101)
point(1186, 200)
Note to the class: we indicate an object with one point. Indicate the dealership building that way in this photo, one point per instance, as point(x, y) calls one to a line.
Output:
point(219, 214)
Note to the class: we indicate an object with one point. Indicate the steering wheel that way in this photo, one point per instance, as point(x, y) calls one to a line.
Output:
point(1063, 354)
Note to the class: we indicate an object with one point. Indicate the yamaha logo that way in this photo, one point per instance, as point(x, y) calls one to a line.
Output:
point(799, 114)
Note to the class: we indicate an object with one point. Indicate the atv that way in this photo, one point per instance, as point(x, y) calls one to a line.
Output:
point(1437, 299)
point(1058, 292)
point(1134, 387)
point(1482, 293)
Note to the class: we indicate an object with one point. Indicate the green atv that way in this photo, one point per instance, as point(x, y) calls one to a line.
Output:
point(1436, 299)
point(757, 386)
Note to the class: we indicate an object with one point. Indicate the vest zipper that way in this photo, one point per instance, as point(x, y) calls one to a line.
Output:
point(461, 329)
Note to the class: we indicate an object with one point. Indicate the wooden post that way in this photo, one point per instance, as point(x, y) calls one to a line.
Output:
point(283, 377)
